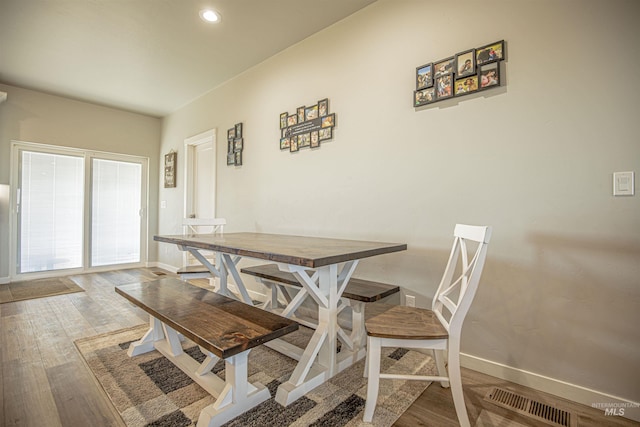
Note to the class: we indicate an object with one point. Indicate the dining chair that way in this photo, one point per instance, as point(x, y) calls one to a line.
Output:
point(192, 269)
point(437, 329)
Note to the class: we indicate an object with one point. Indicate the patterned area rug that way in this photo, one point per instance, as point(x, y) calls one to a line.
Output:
point(148, 390)
point(30, 289)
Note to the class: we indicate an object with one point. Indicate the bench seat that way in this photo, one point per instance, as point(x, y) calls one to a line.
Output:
point(356, 290)
point(224, 328)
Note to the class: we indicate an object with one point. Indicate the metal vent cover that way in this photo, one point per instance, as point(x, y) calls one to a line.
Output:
point(531, 408)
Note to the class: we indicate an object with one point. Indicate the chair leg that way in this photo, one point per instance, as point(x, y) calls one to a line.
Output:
point(442, 371)
point(373, 359)
point(455, 379)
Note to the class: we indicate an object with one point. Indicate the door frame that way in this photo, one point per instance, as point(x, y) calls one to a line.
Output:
point(190, 145)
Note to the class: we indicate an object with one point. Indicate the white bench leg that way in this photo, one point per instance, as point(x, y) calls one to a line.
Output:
point(238, 395)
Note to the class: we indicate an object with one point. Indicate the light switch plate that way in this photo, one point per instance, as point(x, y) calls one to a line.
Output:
point(623, 184)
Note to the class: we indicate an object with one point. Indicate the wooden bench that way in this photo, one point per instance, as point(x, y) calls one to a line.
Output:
point(356, 294)
point(224, 328)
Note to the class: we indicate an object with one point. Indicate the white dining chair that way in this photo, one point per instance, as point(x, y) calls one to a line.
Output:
point(437, 329)
point(193, 269)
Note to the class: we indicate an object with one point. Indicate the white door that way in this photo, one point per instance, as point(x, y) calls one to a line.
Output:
point(200, 179)
point(200, 176)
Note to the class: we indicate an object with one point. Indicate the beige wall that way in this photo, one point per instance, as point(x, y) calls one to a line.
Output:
point(37, 117)
point(534, 159)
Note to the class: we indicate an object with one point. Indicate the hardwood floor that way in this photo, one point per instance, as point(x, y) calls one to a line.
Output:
point(44, 381)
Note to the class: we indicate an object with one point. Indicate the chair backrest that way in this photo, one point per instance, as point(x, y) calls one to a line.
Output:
point(203, 225)
point(461, 276)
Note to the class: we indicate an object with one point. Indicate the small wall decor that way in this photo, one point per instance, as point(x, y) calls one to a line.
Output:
point(170, 160)
point(464, 73)
point(235, 145)
point(307, 127)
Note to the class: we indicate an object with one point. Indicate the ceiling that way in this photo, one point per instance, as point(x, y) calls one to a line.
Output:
point(149, 56)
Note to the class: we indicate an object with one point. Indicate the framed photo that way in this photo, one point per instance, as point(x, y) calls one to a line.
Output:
point(444, 86)
point(293, 145)
point(324, 134)
point(237, 144)
point(328, 121)
point(238, 158)
point(424, 76)
point(231, 133)
point(284, 143)
point(311, 113)
point(424, 96)
point(170, 161)
point(231, 158)
point(304, 140)
point(490, 53)
point(229, 145)
point(315, 139)
point(300, 114)
point(466, 86)
point(292, 120)
point(283, 120)
point(239, 130)
point(465, 63)
point(323, 107)
point(443, 67)
point(489, 75)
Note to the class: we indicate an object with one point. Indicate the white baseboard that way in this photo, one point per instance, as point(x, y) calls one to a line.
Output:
point(4, 280)
point(592, 398)
point(169, 268)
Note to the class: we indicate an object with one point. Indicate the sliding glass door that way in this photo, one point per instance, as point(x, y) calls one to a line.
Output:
point(115, 212)
point(78, 210)
point(50, 211)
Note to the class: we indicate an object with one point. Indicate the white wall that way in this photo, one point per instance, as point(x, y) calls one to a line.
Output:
point(33, 116)
point(534, 158)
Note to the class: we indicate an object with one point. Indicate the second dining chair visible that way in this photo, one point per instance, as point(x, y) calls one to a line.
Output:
point(438, 329)
point(191, 268)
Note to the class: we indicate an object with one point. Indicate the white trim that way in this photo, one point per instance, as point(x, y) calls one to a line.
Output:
point(4, 280)
point(167, 267)
point(563, 389)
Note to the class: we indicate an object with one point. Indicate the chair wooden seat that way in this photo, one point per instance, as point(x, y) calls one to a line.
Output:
point(403, 322)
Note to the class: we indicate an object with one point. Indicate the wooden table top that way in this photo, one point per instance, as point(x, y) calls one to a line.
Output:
point(220, 324)
point(309, 252)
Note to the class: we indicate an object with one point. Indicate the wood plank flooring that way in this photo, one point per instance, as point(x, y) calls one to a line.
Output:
point(44, 381)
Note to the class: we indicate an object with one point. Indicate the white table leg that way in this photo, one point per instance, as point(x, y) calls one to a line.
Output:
point(230, 265)
point(319, 362)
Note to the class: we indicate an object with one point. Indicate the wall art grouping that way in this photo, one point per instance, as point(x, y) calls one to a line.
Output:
point(235, 144)
point(307, 127)
point(462, 74)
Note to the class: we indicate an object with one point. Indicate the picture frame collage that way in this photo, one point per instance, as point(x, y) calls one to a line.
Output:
point(308, 127)
point(235, 145)
point(464, 73)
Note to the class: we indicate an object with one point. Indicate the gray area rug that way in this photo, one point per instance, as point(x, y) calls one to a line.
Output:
point(30, 289)
point(148, 390)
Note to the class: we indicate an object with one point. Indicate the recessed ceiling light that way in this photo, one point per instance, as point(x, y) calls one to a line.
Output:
point(209, 15)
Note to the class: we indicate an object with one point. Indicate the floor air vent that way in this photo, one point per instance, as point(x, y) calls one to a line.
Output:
point(531, 408)
point(159, 273)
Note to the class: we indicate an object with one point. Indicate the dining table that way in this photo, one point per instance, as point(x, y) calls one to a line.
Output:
point(322, 265)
